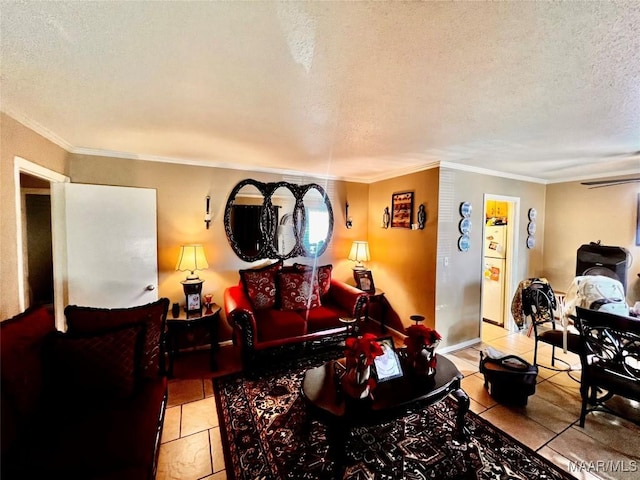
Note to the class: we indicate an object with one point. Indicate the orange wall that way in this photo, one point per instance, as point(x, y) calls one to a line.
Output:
point(403, 260)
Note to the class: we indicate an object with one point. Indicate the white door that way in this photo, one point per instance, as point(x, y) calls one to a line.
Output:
point(105, 245)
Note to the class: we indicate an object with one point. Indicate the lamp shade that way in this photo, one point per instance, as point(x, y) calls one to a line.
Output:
point(192, 258)
point(359, 253)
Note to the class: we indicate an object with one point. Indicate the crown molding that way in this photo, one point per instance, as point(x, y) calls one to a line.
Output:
point(276, 171)
point(399, 173)
point(598, 176)
point(62, 143)
point(493, 173)
point(205, 163)
point(39, 129)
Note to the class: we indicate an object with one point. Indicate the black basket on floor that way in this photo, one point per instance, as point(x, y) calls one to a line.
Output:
point(509, 379)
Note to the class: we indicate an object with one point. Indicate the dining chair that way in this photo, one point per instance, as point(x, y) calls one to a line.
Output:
point(539, 302)
point(610, 357)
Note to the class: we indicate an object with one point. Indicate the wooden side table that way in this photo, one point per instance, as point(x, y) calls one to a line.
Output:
point(379, 298)
point(193, 331)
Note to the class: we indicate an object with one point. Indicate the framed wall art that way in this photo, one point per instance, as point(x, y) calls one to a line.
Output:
point(401, 210)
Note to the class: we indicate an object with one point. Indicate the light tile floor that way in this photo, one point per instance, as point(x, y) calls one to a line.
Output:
point(607, 448)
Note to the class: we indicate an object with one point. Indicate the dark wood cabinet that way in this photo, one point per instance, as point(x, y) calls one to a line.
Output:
point(184, 333)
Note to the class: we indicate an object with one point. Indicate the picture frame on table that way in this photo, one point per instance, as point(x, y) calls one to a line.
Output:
point(387, 365)
point(401, 209)
point(364, 280)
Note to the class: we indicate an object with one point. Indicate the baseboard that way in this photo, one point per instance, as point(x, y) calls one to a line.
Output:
point(447, 349)
point(459, 346)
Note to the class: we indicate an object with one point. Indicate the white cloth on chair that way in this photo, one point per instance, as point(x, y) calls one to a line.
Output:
point(595, 292)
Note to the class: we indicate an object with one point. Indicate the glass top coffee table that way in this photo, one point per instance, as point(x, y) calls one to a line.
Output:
point(325, 402)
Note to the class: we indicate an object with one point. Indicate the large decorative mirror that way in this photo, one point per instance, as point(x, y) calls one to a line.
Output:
point(286, 234)
point(318, 224)
point(278, 220)
point(245, 220)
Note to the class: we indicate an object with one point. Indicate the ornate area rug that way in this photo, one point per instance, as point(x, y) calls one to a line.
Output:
point(266, 435)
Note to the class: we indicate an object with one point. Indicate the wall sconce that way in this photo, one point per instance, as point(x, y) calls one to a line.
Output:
point(207, 214)
point(349, 222)
point(386, 218)
point(422, 216)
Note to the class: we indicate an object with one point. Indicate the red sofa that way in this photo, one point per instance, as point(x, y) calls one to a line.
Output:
point(276, 306)
point(85, 404)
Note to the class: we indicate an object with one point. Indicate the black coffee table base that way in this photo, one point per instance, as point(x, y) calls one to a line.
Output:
point(391, 399)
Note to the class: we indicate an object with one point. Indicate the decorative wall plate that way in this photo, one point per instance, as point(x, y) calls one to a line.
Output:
point(531, 228)
point(531, 242)
point(464, 243)
point(465, 209)
point(532, 214)
point(464, 226)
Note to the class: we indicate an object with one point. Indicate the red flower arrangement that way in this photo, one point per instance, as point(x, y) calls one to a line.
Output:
point(359, 352)
point(362, 350)
point(418, 337)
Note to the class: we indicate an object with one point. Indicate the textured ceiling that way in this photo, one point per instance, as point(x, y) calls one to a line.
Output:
point(353, 90)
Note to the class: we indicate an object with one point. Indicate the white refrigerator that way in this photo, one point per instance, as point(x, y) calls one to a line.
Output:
point(493, 288)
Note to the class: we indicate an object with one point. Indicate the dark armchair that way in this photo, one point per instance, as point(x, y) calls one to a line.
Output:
point(88, 403)
point(610, 359)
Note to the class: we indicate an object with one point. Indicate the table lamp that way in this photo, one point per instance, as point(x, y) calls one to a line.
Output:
point(359, 253)
point(191, 259)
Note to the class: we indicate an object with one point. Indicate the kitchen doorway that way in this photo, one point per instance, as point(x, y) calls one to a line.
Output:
point(500, 229)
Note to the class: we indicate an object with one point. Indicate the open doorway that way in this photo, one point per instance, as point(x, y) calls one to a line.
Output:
point(499, 259)
point(36, 241)
point(37, 279)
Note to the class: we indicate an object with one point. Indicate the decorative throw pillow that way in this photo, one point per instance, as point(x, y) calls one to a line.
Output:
point(260, 285)
point(323, 275)
point(94, 367)
point(298, 291)
point(83, 320)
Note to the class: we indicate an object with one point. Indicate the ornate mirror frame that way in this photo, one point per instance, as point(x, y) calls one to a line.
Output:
point(269, 219)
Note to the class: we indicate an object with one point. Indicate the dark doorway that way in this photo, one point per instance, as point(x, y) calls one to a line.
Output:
point(37, 228)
